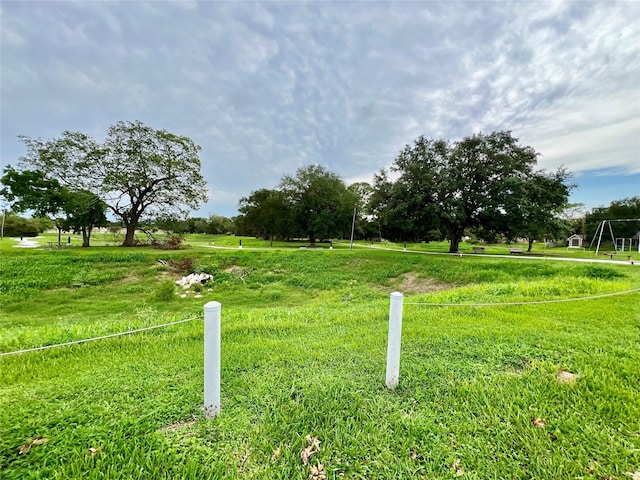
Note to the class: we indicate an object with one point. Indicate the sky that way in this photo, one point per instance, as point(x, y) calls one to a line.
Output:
point(266, 88)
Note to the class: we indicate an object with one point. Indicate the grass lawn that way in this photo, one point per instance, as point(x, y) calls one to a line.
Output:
point(484, 392)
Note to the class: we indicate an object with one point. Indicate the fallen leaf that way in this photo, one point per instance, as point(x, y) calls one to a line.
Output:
point(414, 455)
point(566, 377)
point(93, 451)
point(457, 468)
point(635, 475)
point(306, 453)
point(313, 441)
point(24, 448)
point(27, 446)
point(538, 422)
point(276, 454)
point(317, 473)
point(314, 446)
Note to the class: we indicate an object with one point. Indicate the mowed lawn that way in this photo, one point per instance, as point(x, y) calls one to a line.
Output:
point(513, 392)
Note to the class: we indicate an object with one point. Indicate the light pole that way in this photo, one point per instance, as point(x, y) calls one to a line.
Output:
point(353, 228)
point(4, 214)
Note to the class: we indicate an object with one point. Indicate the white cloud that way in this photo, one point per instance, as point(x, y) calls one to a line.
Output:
point(265, 88)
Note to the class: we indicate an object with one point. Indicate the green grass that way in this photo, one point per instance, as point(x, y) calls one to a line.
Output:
point(304, 345)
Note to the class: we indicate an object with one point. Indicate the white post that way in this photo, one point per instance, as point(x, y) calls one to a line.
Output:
point(212, 359)
point(393, 345)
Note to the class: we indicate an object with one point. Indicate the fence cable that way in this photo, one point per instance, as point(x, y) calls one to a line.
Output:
point(539, 302)
point(153, 327)
point(112, 335)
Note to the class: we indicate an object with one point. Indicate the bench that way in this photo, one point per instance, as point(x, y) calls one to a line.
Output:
point(515, 250)
point(611, 255)
point(478, 249)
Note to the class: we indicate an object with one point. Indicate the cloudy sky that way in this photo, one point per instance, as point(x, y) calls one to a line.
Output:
point(265, 88)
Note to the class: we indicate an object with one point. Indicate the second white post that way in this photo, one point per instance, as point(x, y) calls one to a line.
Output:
point(395, 335)
point(212, 359)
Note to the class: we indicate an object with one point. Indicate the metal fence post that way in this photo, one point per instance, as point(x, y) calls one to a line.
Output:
point(212, 359)
point(395, 334)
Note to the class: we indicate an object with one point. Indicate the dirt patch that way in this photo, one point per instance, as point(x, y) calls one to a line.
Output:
point(413, 283)
point(566, 377)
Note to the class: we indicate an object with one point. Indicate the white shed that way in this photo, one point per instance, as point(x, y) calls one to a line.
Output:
point(574, 241)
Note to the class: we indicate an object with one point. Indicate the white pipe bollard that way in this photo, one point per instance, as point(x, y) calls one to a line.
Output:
point(395, 334)
point(212, 359)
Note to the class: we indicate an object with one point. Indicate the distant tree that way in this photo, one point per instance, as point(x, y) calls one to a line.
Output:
point(626, 208)
point(15, 226)
point(461, 184)
point(137, 171)
point(321, 204)
point(532, 209)
point(391, 206)
point(265, 213)
point(217, 224)
point(84, 211)
point(32, 190)
point(365, 227)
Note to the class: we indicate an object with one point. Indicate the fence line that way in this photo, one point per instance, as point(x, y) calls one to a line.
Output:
point(112, 335)
point(395, 324)
point(538, 302)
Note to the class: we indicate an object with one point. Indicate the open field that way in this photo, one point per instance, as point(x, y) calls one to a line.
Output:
point(304, 342)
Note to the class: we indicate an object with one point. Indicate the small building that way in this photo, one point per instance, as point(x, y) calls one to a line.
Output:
point(574, 241)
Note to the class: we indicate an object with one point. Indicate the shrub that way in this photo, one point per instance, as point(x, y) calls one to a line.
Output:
point(165, 291)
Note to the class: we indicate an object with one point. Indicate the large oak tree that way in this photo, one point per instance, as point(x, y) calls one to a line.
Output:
point(137, 171)
point(468, 184)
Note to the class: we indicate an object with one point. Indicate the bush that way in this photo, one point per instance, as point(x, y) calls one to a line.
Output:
point(165, 291)
point(18, 226)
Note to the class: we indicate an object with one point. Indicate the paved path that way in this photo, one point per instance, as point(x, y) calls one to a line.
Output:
point(525, 257)
point(26, 243)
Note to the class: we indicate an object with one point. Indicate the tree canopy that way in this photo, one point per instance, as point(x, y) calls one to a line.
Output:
point(314, 203)
point(136, 171)
point(485, 181)
point(81, 210)
point(623, 209)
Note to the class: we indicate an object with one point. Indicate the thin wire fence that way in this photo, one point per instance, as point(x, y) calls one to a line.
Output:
point(103, 337)
point(537, 302)
point(426, 304)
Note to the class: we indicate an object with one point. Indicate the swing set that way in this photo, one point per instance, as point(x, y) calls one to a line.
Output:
point(620, 244)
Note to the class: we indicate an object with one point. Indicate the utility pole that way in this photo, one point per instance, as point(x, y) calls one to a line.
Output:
point(4, 214)
point(353, 227)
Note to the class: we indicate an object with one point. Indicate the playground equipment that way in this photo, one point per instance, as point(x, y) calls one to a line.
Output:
point(619, 243)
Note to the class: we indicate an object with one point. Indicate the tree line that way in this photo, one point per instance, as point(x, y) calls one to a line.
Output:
point(485, 185)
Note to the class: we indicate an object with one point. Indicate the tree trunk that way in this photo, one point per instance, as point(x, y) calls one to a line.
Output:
point(531, 240)
point(86, 236)
point(455, 235)
point(312, 238)
point(130, 235)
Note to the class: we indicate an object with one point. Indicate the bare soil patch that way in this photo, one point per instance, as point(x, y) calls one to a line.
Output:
point(413, 283)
